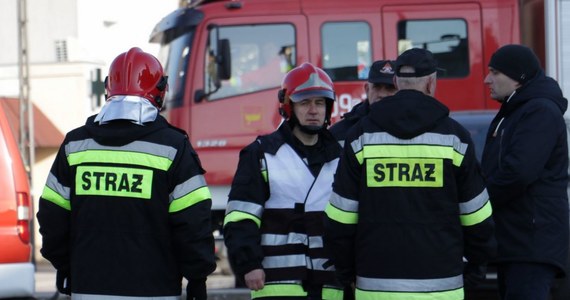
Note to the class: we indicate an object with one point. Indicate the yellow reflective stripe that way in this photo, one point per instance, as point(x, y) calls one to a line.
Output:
point(420, 151)
point(279, 290)
point(359, 156)
point(478, 216)
point(332, 294)
point(263, 169)
point(119, 157)
point(113, 181)
point(445, 295)
point(264, 175)
point(51, 196)
point(404, 172)
point(236, 216)
point(190, 199)
point(341, 216)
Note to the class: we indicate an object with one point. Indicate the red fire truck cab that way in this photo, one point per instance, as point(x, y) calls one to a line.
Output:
point(226, 59)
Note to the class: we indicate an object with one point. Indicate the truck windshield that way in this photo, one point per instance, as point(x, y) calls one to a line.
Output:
point(261, 56)
point(174, 56)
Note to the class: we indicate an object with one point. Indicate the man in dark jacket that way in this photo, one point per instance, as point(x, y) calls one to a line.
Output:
point(125, 212)
point(525, 162)
point(409, 201)
point(380, 84)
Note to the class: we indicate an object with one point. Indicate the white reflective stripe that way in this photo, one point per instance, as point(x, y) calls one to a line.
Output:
point(429, 138)
point(474, 204)
point(284, 261)
point(290, 239)
point(344, 204)
point(75, 296)
point(136, 146)
point(318, 263)
point(409, 285)
point(284, 282)
point(244, 206)
point(356, 145)
point(187, 187)
point(296, 260)
point(57, 187)
point(316, 242)
point(283, 239)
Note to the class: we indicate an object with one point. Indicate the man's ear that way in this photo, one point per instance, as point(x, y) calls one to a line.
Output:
point(431, 83)
point(394, 79)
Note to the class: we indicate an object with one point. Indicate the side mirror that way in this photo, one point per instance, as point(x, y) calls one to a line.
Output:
point(224, 60)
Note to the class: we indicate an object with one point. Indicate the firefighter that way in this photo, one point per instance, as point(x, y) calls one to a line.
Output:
point(380, 84)
point(274, 219)
point(125, 212)
point(409, 201)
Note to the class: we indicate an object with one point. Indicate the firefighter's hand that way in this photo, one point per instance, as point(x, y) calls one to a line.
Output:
point(62, 281)
point(255, 279)
point(196, 289)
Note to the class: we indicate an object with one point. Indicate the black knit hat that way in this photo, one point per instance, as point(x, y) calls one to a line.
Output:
point(516, 61)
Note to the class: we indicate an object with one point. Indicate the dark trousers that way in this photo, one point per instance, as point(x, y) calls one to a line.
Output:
point(525, 281)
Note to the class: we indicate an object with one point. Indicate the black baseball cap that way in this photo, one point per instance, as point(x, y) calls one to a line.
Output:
point(421, 60)
point(382, 71)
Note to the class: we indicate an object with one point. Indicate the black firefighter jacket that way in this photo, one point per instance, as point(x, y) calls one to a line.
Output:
point(408, 202)
point(271, 171)
point(525, 162)
point(126, 211)
point(340, 129)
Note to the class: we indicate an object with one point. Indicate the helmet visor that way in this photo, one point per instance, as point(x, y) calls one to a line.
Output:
point(298, 97)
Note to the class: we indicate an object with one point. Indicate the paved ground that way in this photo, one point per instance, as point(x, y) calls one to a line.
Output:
point(219, 286)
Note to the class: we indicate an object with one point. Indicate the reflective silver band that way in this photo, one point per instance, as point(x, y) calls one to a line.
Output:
point(410, 285)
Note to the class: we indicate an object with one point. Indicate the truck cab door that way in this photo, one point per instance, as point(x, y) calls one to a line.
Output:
point(453, 33)
point(237, 109)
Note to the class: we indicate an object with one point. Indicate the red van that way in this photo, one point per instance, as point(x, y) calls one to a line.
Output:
point(16, 267)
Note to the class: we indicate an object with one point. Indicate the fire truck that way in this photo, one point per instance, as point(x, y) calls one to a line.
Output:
point(225, 59)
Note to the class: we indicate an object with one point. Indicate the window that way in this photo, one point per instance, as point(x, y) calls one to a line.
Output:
point(446, 39)
point(346, 50)
point(61, 50)
point(260, 57)
point(174, 55)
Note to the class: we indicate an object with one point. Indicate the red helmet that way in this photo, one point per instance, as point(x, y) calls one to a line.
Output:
point(303, 82)
point(137, 73)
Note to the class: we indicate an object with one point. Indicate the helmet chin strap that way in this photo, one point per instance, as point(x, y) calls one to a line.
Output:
point(311, 129)
point(308, 129)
